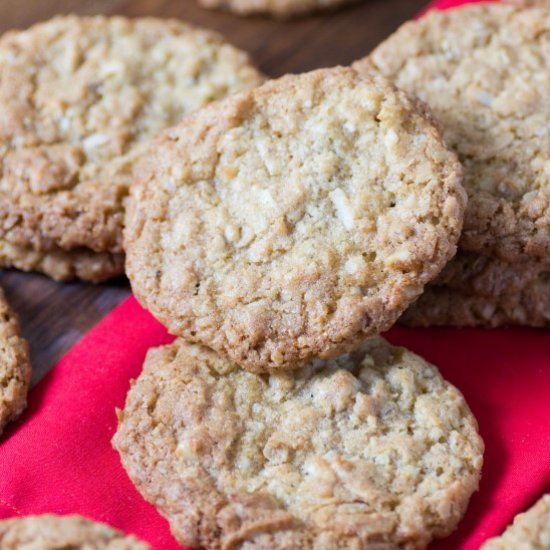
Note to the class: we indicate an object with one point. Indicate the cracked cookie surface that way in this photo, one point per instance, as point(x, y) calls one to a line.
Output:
point(483, 70)
point(49, 532)
point(80, 97)
point(15, 365)
point(371, 448)
point(294, 220)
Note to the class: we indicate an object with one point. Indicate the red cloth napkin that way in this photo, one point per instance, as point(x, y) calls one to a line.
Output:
point(58, 458)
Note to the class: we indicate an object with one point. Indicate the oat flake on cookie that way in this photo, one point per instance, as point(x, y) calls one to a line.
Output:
point(370, 450)
point(484, 71)
point(294, 220)
point(80, 98)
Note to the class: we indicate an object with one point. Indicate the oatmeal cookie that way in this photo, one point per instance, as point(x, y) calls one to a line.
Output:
point(484, 276)
point(444, 306)
point(528, 2)
point(63, 265)
point(530, 530)
point(370, 450)
point(483, 70)
point(80, 97)
point(15, 365)
point(293, 220)
point(49, 532)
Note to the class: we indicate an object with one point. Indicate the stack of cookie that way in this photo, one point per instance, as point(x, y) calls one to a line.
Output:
point(274, 232)
point(80, 98)
point(483, 70)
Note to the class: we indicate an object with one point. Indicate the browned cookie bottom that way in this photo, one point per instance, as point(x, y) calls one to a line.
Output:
point(443, 306)
point(63, 265)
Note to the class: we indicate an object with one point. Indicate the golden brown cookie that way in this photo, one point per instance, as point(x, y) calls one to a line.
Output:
point(475, 290)
point(484, 276)
point(63, 265)
point(370, 450)
point(279, 9)
point(49, 532)
point(294, 220)
point(15, 365)
point(483, 69)
point(530, 530)
point(528, 2)
point(80, 97)
point(444, 306)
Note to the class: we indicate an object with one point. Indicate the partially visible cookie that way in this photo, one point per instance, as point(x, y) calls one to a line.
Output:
point(484, 71)
point(280, 9)
point(49, 532)
point(15, 365)
point(528, 2)
point(80, 98)
point(370, 450)
point(443, 306)
point(294, 220)
point(479, 275)
point(530, 530)
point(63, 265)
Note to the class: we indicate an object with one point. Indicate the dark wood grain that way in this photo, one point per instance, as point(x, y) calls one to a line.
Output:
point(54, 316)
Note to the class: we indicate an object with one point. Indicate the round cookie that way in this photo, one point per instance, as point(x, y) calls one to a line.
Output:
point(443, 306)
point(293, 220)
point(372, 449)
point(472, 273)
point(279, 9)
point(63, 265)
point(56, 532)
point(530, 530)
point(15, 366)
point(483, 70)
point(80, 98)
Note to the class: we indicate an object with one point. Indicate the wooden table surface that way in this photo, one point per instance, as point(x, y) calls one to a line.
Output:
point(54, 316)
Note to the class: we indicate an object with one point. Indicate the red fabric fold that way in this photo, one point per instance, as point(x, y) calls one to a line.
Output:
point(58, 458)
